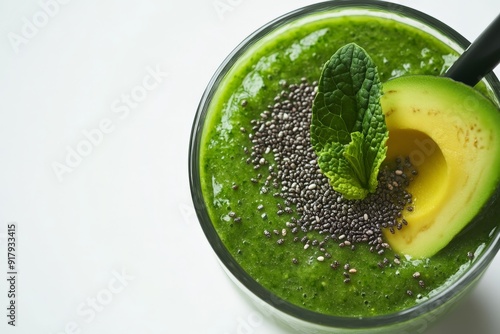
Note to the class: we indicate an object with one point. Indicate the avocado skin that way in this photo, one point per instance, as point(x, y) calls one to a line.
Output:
point(488, 216)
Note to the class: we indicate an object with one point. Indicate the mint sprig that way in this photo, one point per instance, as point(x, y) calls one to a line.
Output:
point(348, 130)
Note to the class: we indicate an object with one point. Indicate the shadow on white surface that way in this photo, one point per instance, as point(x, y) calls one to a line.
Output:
point(471, 316)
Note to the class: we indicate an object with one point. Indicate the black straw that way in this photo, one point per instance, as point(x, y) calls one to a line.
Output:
point(480, 58)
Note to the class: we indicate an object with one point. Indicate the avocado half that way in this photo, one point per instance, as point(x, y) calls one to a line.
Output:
point(451, 133)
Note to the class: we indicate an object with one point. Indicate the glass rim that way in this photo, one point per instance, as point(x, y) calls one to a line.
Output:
point(224, 256)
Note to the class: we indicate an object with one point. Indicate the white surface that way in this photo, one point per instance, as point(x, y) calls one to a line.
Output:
point(125, 208)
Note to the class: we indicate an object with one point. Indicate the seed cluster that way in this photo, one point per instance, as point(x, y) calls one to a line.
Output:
point(281, 133)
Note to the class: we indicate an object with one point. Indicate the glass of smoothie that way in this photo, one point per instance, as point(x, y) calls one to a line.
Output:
point(319, 262)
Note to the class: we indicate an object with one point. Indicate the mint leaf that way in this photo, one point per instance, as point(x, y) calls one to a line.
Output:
point(348, 130)
point(353, 152)
point(341, 176)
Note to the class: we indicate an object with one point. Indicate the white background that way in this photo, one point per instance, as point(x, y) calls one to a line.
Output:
point(124, 210)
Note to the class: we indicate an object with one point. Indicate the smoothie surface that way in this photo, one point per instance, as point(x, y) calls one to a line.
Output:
point(245, 92)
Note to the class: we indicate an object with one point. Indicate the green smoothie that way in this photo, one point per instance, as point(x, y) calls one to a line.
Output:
point(241, 212)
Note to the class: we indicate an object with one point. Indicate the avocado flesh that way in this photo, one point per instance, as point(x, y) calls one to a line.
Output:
point(452, 135)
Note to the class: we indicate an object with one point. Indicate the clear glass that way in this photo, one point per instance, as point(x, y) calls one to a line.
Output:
point(412, 320)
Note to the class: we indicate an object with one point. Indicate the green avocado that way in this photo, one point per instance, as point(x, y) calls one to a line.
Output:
point(451, 133)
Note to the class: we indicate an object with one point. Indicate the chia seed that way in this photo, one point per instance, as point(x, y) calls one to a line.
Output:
point(280, 138)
